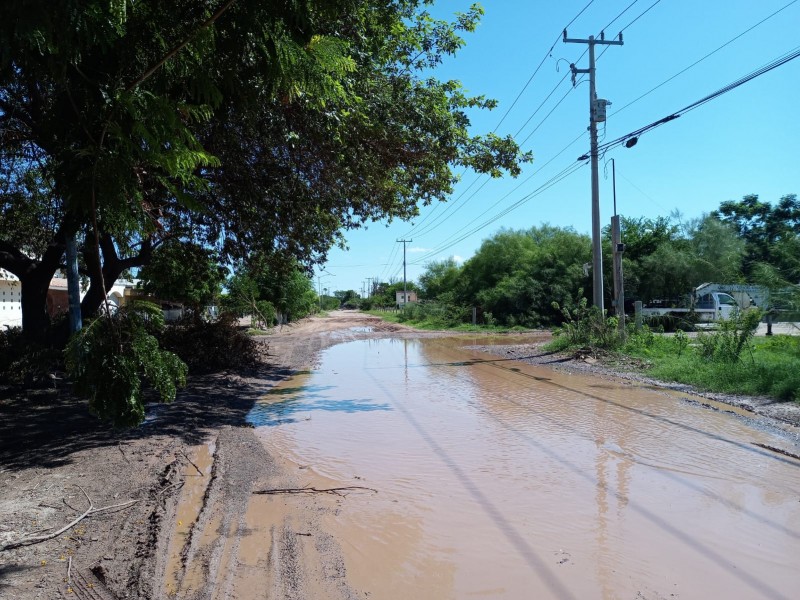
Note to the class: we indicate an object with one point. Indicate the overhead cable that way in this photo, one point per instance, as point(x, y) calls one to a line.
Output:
point(630, 138)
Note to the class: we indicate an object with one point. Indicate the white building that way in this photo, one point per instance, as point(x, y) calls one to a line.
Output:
point(10, 300)
point(57, 297)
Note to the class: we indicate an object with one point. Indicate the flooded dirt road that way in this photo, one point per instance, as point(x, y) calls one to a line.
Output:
point(495, 479)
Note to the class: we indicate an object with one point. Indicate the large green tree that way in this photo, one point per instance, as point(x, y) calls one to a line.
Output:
point(516, 275)
point(771, 233)
point(184, 272)
point(259, 127)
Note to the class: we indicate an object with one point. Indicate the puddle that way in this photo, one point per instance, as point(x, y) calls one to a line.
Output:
point(503, 480)
point(361, 329)
point(188, 510)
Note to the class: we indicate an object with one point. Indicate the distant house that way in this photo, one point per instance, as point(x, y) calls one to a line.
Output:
point(57, 297)
point(401, 298)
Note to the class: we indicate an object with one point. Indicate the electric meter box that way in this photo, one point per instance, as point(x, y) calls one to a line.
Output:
point(600, 109)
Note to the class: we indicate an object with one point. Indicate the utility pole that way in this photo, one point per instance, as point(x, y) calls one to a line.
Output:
point(618, 248)
point(597, 114)
point(405, 291)
point(73, 285)
point(369, 287)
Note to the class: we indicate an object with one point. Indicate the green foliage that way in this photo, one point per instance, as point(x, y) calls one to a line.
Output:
point(263, 291)
point(208, 347)
point(108, 360)
point(730, 340)
point(681, 341)
point(434, 315)
point(517, 275)
point(439, 277)
point(156, 120)
point(773, 369)
point(587, 327)
point(665, 262)
point(183, 272)
point(771, 233)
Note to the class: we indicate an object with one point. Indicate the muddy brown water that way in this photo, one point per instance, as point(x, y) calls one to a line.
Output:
point(497, 479)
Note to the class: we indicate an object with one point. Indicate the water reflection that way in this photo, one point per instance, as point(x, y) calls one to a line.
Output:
point(284, 405)
point(520, 482)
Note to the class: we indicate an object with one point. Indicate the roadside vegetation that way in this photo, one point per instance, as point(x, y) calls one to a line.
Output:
point(169, 142)
point(729, 359)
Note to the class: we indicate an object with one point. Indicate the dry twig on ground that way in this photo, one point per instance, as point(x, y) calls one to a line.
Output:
point(89, 511)
point(337, 491)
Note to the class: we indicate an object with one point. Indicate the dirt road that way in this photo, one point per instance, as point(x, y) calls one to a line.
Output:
point(56, 461)
point(199, 528)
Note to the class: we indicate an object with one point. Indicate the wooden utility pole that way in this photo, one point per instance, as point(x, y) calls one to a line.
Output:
point(597, 114)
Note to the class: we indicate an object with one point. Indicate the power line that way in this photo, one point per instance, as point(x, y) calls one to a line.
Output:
point(541, 189)
point(698, 61)
point(418, 229)
point(539, 66)
point(643, 13)
point(624, 10)
point(634, 135)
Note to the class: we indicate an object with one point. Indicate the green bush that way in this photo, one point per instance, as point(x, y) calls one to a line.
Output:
point(733, 336)
point(208, 347)
point(588, 326)
point(27, 363)
point(108, 359)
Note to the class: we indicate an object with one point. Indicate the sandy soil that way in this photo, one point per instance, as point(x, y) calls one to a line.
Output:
point(174, 510)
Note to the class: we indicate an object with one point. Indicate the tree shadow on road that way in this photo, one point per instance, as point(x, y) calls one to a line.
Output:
point(45, 428)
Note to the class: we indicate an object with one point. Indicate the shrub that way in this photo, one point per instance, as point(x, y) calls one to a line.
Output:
point(26, 363)
point(208, 347)
point(587, 326)
point(108, 359)
point(733, 336)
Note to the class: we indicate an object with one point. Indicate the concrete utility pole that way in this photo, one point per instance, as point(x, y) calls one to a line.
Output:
point(369, 287)
point(597, 114)
point(405, 292)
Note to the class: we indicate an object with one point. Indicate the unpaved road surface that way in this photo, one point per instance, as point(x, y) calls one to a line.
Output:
point(55, 459)
point(193, 470)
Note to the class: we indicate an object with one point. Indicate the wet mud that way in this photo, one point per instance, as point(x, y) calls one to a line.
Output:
point(492, 478)
point(505, 480)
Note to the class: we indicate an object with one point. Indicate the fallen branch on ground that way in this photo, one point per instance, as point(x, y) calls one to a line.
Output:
point(89, 511)
point(191, 463)
point(777, 450)
point(337, 491)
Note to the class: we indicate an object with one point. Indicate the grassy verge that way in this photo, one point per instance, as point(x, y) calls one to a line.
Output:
point(729, 360)
point(768, 366)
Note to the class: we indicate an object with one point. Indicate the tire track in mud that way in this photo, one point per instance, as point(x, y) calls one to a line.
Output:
point(254, 547)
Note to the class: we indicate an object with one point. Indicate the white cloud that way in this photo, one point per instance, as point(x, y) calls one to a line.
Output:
point(458, 259)
point(418, 249)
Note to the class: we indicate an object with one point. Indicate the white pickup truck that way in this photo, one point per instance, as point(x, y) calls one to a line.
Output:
point(708, 307)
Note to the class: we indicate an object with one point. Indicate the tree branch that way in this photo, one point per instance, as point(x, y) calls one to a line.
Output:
point(149, 72)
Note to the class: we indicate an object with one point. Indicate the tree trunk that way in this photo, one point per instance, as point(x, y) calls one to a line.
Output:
point(113, 267)
point(35, 318)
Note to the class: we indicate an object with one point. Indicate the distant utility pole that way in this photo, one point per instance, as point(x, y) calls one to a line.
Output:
point(405, 292)
point(369, 287)
point(597, 114)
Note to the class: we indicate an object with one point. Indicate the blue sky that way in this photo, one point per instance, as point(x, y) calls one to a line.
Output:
point(744, 142)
